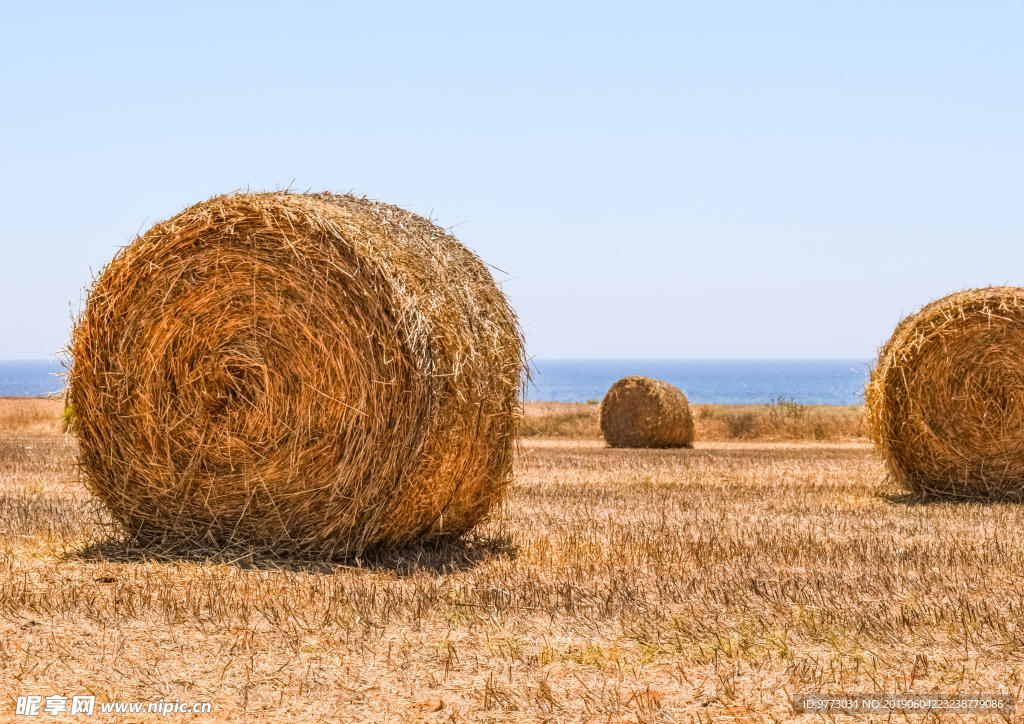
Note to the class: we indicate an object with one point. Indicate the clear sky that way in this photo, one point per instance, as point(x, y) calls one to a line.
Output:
point(677, 180)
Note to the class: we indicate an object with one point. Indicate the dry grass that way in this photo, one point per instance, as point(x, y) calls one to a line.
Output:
point(702, 585)
point(316, 373)
point(561, 419)
point(779, 421)
point(30, 415)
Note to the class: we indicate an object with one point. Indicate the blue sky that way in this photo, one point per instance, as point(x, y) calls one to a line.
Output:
point(678, 180)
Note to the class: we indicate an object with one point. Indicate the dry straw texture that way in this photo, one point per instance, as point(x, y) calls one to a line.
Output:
point(642, 412)
point(945, 404)
point(316, 374)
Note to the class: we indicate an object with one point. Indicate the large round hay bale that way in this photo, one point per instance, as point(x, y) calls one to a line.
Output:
point(945, 403)
point(305, 373)
point(643, 412)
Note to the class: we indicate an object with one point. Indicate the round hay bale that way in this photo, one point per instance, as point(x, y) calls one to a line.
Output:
point(643, 412)
point(316, 374)
point(945, 403)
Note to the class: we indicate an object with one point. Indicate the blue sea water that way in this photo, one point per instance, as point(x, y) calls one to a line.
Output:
point(809, 382)
point(730, 382)
point(30, 378)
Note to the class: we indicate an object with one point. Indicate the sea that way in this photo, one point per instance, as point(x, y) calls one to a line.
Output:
point(31, 378)
point(732, 382)
point(712, 381)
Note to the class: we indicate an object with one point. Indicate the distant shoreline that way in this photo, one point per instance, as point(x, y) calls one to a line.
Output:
point(708, 381)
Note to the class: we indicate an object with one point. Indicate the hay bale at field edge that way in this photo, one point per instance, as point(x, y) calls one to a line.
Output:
point(643, 412)
point(307, 373)
point(945, 402)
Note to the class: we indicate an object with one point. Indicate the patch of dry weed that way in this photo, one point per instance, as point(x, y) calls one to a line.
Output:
point(779, 421)
point(30, 416)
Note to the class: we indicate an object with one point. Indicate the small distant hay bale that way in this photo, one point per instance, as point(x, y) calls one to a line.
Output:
point(643, 412)
point(316, 374)
point(945, 403)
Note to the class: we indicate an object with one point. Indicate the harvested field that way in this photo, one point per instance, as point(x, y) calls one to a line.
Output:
point(611, 585)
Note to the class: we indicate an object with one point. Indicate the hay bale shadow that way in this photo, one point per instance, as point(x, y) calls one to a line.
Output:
point(432, 558)
point(926, 499)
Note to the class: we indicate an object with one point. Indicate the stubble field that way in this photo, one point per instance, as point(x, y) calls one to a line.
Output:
point(710, 584)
